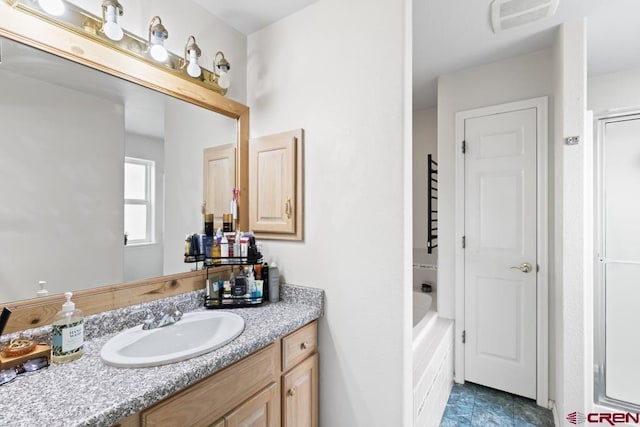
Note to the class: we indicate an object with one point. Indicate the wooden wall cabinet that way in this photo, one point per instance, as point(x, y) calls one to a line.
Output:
point(275, 386)
point(275, 186)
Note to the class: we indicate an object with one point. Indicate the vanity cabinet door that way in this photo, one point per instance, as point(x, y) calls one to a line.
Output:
point(300, 394)
point(275, 186)
point(262, 410)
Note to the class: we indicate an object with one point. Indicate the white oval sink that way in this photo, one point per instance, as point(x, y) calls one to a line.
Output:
point(196, 334)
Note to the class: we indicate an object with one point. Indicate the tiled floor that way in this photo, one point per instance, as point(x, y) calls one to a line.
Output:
point(474, 405)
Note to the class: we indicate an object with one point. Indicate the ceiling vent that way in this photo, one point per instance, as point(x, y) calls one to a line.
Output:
point(506, 14)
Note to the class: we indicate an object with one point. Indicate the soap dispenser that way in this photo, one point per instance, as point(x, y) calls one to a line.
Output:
point(68, 333)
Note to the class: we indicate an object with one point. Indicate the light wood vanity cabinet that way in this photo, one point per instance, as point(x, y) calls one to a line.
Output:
point(300, 377)
point(276, 386)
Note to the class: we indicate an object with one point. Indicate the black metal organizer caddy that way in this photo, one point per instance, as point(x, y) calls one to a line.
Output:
point(233, 301)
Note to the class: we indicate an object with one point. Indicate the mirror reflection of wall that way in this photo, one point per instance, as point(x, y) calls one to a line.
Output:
point(66, 130)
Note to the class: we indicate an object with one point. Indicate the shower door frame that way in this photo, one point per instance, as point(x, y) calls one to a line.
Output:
point(599, 319)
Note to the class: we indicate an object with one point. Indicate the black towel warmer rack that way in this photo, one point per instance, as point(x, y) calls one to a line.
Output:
point(432, 204)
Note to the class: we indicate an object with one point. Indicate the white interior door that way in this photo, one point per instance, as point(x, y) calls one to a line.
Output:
point(500, 251)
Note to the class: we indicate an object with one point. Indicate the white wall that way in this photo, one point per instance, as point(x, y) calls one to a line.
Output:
point(319, 69)
point(188, 131)
point(513, 79)
point(614, 92)
point(145, 261)
point(182, 19)
point(61, 187)
point(573, 193)
point(425, 141)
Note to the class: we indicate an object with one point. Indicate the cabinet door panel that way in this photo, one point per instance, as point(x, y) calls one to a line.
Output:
point(275, 191)
point(300, 395)
point(219, 180)
point(262, 410)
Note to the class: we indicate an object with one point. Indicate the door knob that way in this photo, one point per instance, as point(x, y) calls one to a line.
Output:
point(525, 267)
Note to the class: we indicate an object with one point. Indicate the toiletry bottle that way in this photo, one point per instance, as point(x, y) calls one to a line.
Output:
point(43, 292)
point(213, 292)
point(68, 333)
point(251, 283)
point(227, 222)
point(215, 251)
point(252, 251)
point(236, 245)
point(208, 224)
point(274, 283)
point(244, 247)
point(224, 249)
point(265, 281)
point(187, 245)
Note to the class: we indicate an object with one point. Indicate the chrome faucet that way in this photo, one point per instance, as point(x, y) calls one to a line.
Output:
point(167, 317)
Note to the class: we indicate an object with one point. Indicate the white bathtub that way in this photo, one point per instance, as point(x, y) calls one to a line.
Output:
point(421, 305)
point(432, 361)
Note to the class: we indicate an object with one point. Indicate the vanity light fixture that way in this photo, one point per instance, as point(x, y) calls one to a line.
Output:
point(111, 10)
point(221, 69)
point(107, 31)
point(52, 7)
point(157, 35)
point(191, 54)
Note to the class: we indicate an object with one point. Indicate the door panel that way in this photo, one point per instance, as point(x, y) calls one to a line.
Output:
point(500, 210)
point(501, 231)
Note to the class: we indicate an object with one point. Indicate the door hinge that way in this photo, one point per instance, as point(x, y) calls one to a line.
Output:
point(464, 337)
point(464, 147)
point(464, 242)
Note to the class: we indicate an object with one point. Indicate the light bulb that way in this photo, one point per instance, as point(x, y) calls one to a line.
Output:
point(111, 28)
point(193, 69)
point(224, 81)
point(52, 7)
point(159, 53)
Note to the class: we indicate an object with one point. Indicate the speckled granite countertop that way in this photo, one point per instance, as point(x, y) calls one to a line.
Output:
point(87, 392)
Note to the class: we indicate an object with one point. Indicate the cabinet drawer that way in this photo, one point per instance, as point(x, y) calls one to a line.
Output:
point(299, 345)
point(207, 401)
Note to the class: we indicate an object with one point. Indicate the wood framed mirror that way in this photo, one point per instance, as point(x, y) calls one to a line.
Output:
point(49, 38)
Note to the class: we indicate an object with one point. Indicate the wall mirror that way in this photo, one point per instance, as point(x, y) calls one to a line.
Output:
point(67, 130)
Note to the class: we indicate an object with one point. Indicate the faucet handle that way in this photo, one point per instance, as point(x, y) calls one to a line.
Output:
point(175, 311)
point(149, 320)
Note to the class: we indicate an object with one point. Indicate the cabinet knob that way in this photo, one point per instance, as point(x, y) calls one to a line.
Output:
point(292, 391)
point(304, 346)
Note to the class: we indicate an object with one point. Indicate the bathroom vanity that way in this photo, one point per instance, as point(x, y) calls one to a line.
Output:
point(268, 374)
point(253, 390)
